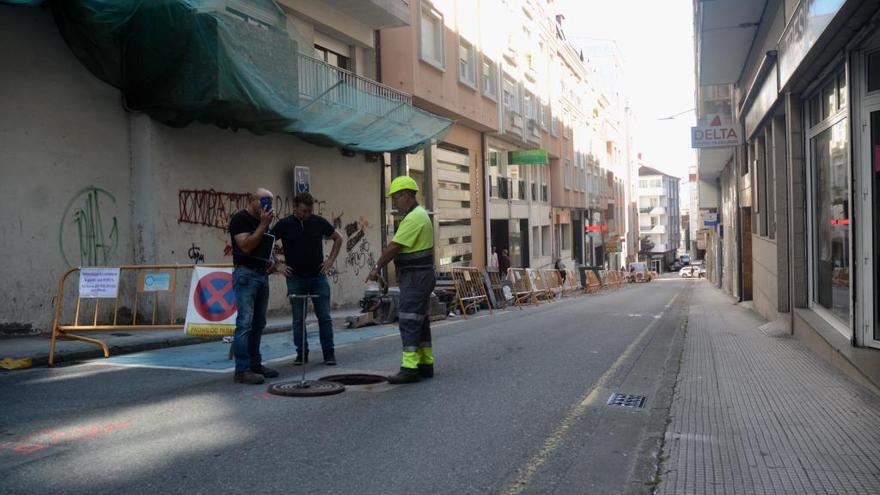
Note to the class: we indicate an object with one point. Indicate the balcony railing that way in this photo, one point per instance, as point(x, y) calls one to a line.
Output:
point(521, 189)
point(545, 193)
point(500, 188)
point(322, 82)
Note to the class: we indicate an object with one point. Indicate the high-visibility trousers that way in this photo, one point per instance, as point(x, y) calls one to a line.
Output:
point(416, 286)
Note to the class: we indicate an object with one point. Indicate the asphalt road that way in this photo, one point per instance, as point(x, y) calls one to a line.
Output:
point(518, 406)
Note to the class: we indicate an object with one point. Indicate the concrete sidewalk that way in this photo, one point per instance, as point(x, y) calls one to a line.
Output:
point(754, 411)
point(36, 347)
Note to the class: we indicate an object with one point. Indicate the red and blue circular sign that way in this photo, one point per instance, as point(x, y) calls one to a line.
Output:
point(214, 298)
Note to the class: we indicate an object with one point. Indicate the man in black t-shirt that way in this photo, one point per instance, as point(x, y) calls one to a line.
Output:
point(252, 257)
point(302, 237)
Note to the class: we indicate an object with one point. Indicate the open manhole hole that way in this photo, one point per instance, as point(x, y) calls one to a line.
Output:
point(626, 400)
point(354, 379)
point(306, 388)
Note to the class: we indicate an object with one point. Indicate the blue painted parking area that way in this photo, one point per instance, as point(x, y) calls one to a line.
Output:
point(214, 356)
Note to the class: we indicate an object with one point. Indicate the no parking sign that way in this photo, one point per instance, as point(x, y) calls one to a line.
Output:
point(211, 310)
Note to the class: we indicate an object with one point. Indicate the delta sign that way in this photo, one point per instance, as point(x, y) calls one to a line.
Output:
point(717, 134)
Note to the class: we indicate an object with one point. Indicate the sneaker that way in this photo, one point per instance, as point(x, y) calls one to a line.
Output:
point(330, 359)
point(247, 377)
point(405, 375)
point(426, 370)
point(266, 372)
point(299, 361)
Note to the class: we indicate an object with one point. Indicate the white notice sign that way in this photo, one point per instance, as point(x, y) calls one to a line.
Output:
point(95, 283)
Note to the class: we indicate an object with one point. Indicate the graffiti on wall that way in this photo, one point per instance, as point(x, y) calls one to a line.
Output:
point(212, 208)
point(195, 255)
point(90, 214)
point(358, 255)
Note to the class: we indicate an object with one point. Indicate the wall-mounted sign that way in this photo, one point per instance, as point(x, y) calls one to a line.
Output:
point(708, 218)
point(528, 157)
point(595, 228)
point(302, 179)
point(716, 132)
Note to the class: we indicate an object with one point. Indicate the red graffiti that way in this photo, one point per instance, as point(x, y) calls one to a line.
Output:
point(210, 208)
point(41, 439)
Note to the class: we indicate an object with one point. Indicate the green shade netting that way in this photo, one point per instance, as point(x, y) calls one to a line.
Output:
point(236, 64)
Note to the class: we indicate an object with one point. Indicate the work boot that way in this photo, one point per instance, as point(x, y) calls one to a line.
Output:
point(301, 359)
point(330, 358)
point(406, 375)
point(426, 370)
point(247, 377)
point(266, 372)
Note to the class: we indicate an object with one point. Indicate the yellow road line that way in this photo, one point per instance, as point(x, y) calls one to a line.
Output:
point(589, 398)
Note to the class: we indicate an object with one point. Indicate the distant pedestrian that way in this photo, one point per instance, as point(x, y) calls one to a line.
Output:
point(560, 267)
point(252, 256)
point(493, 261)
point(302, 236)
point(412, 250)
point(504, 262)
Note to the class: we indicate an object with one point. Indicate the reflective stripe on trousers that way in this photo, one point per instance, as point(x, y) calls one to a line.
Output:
point(415, 326)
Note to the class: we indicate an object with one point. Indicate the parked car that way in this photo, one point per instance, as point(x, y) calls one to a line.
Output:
point(689, 272)
point(685, 259)
point(638, 272)
point(675, 266)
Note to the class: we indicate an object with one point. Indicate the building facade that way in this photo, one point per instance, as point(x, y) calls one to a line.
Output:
point(659, 218)
point(794, 197)
point(118, 187)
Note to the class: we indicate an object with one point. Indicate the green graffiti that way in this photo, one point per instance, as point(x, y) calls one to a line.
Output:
point(98, 235)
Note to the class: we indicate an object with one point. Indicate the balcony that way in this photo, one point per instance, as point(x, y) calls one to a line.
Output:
point(378, 14)
point(655, 229)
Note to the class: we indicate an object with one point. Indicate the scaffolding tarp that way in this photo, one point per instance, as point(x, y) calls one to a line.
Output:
point(235, 64)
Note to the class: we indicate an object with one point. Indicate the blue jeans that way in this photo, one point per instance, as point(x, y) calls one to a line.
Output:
point(320, 289)
point(251, 298)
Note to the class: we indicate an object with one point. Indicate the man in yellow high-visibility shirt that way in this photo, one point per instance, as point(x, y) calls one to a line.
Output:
point(412, 250)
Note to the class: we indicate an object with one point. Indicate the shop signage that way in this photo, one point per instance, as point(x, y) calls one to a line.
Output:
point(527, 157)
point(595, 228)
point(708, 218)
point(809, 20)
point(718, 133)
point(612, 245)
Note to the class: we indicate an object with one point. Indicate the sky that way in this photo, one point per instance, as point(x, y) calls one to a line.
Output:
point(656, 40)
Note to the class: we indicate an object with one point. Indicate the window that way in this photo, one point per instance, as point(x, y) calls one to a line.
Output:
point(467, 72)
point(545, 240)
point(490, 78)
point(536, 241)
point(510, 96)
point(529, 105)
point(566, 169)
point(831, 222)
point(873, 71)
point(432, 27)
point(332, 58)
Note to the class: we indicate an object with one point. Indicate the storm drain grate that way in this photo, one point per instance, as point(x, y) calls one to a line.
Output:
point(624, 400)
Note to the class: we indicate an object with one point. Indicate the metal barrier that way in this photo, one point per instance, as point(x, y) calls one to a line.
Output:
point(495, 287)
point(138, 290)
point(522, 287)
point(469, 289)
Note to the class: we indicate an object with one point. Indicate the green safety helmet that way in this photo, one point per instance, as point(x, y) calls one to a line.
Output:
point(402, 183)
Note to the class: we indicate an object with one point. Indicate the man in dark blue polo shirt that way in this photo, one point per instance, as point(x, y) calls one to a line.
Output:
point(302, 236)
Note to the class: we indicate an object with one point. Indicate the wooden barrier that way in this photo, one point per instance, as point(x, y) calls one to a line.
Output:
point(593, 284)
point(538, 287)
point(470, 292)
point(552, 282)
point(495, 287)
point(522, 287)
point(570, 285)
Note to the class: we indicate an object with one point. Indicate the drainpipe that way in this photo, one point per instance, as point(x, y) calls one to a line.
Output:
point(739, 233)
point(487, 233)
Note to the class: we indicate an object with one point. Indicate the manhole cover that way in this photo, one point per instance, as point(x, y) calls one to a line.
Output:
point(121, 334)
point(624, 400)
point(354, 379)
point(307, 388)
